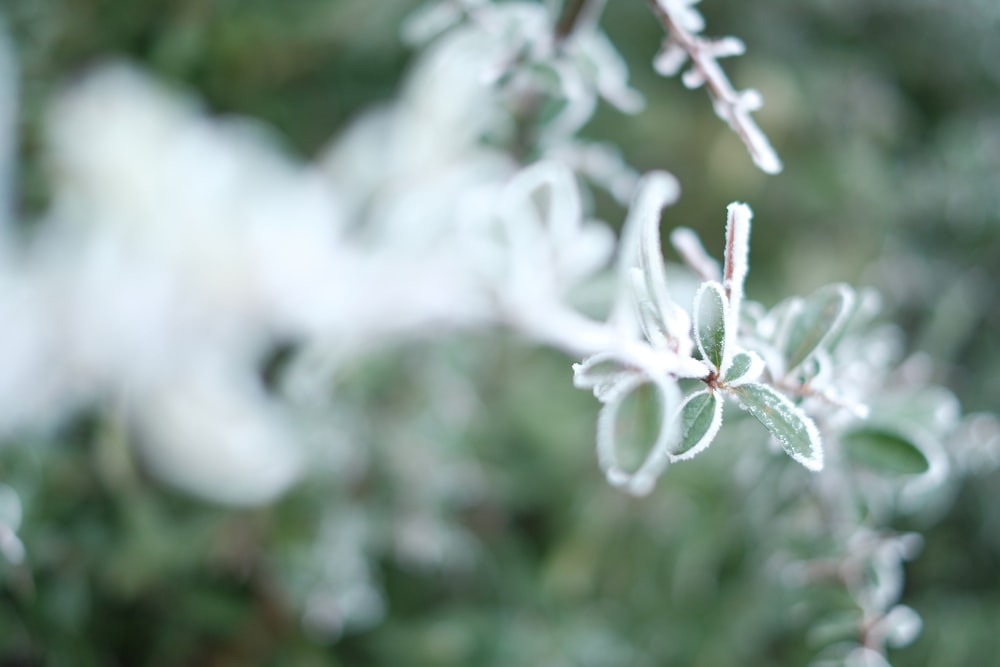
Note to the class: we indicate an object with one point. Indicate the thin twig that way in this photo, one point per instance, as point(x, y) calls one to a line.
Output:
point(730, 105)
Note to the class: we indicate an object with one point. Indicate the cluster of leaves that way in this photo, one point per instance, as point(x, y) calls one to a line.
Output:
point(567, 571)
point(689, 423)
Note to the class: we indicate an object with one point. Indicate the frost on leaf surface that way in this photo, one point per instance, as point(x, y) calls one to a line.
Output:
point(701, 417)
point(601, 373)
point(817, 321)
point(796, 432)
point(710, 323)
point(745, 367)
point(634, 432)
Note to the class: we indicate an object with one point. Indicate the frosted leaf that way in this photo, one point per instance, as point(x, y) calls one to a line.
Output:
point(670, 59)
point(902, 625)
point(640, 246)
point(600, 163)
point(683, 14)
point(745, 367)
point(736, 265)
point(601, 373)
point(701, 418)
point(218, 436)
point(650, 320)
point(651, 263)
point(794, 431)
point(636, 419)
point(751, 100)
point(727, 47)
point(692, 78)
point(710, 317)
point(611, 70)
point(817, 320)
point(884, 451)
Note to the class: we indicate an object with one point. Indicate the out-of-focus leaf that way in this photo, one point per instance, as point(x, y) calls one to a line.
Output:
point(796, 432)
point(818, 319)
point(884, 451)
point(634, 431)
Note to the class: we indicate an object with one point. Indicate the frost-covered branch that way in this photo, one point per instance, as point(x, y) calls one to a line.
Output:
point(181, 249)
point(683, 23)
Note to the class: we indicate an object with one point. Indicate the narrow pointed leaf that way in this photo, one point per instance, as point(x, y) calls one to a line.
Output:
point(710, 318)
point(884, 451)
point(701, 418)
point(819, 319)
point(795, 431)
point(745, 367)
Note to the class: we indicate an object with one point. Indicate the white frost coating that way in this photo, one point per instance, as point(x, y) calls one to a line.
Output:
point(752, 373)
point(601, 163)
point(713, 429)
point(692, 79)
point(640, 246)
point(564, 210)
point(779, 413)
point(580, 104)
point(547, 249)
point(700, 295)
point(586, 375)
point(213, 437)
point(642, 481)
point(670, 59)
point(684, 13)
point(736, 260)
point(612, 71)
point(727, 47)
point(902, 625)
point(751, 99)
point(683, 24)
point(689, 246)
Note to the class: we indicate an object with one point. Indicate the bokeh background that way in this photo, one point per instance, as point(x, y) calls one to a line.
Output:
point(887, 116)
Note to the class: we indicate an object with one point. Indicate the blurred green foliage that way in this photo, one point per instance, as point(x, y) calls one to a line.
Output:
point(887, 116)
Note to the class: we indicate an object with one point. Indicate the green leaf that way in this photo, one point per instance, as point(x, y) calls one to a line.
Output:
point(818, 319)
point(701, 417)
point(884, 451)
point(710, 322)
point(745, 367)
point(635, 429)
point(796, 432)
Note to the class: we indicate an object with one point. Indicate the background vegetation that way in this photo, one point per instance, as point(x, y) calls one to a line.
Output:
point(887, 116)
